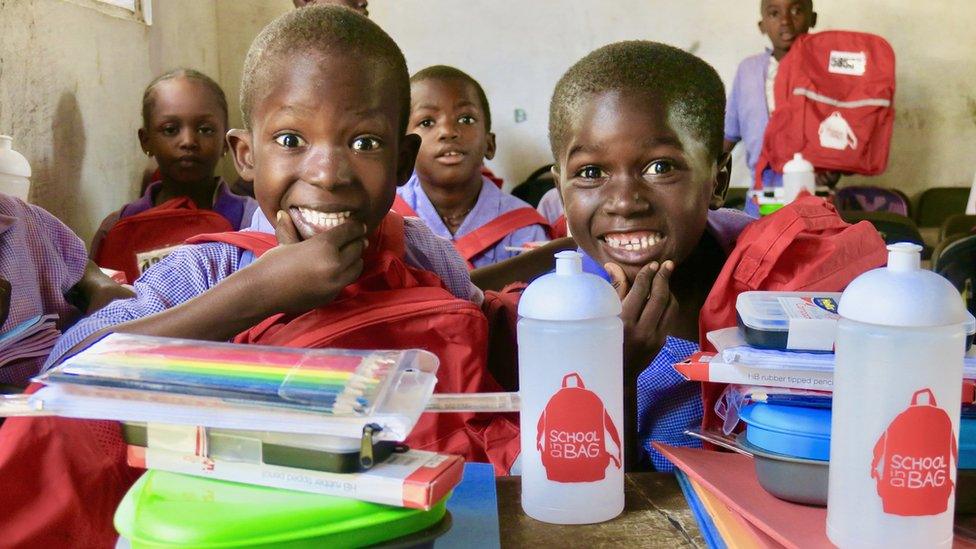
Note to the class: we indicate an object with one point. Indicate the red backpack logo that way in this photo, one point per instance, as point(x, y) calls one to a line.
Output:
point(914, 459)
point(834, 93)
point(571, 435)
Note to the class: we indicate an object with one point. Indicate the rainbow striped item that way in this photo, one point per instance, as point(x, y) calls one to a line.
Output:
point(325, 380)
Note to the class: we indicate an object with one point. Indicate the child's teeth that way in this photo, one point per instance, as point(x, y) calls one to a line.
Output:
point(324, 220)
point(633, 243)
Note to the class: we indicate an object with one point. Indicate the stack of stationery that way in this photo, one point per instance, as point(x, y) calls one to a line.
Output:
point(30, 339)
point(733, 510)
point(316, 420)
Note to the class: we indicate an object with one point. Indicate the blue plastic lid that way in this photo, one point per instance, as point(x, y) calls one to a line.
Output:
point(791, 430)
point(967, 443)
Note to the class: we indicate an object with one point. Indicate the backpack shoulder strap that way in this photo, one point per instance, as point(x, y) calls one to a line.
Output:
point(252, 241)
point(487, 235)
point(401, 207)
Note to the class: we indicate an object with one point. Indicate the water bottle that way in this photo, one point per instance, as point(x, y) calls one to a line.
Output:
point(15, 172)
point(896, 403)
point(570, 341)
point(797, 175)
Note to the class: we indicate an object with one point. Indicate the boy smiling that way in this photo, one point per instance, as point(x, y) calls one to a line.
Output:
point(325, 159)
point(636, 132)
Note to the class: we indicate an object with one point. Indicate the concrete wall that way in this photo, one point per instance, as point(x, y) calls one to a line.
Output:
point(71, 83)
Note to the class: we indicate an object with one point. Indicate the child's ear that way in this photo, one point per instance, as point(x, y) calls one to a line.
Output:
point(144, 141)
point(721, 184)
point(406, 157)
point(554, 170)
point(813, 19)
point(489, 146)
point(243, 152)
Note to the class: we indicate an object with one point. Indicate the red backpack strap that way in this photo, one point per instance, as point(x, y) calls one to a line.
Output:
point(486, 236)
point(253, 241)
point(401, 207)
point(559, 229)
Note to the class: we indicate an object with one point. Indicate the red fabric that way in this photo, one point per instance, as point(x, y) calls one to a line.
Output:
point(805, 246)
point(487, 235)
point(501, 308)
point(559, 229)
point(61, 480)
point(825, 65)
point(395, 306)
point(401, 207)
point(485, 171)
point(168, 224)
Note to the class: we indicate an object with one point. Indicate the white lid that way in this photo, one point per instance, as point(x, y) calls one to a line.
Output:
point(798, 164)
point(774, 311)
point(569, 293)
point(902, 294)
point(11, 161)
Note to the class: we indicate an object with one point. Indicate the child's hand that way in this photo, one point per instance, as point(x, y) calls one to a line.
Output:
point(298, 275)
point(649, 309)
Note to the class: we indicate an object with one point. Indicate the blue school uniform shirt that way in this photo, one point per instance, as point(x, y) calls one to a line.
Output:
point(747, 114)
point(667, 403)
point(492, 202)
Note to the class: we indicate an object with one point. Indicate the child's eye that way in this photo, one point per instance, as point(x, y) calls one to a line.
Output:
point(366, 144)
point(466, 120)
point(426, 123)
point(170, 130)
point(659, 167)
point(590, 172)
point(290, 141)
point(206, 130)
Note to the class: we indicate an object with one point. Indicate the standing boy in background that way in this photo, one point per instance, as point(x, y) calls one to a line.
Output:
point(751, 99)
point(449, 111)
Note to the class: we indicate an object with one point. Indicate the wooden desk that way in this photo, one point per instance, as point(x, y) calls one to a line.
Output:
point(655, 515)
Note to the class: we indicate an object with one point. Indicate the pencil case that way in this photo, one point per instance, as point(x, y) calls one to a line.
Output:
point(332, 392)
point(318, 453)
point(795, 321)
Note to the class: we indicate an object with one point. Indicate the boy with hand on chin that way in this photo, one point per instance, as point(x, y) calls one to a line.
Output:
point(636, 132)
point(326, 99)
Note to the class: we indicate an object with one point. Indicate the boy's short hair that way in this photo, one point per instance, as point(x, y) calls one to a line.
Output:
point(324, 30)
point(214, 87)
point(445, 72)
point(681, 80)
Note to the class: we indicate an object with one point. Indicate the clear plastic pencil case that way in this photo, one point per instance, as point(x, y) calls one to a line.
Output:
point(334, 392)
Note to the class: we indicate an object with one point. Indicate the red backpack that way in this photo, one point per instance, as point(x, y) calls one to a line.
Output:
point(395, 306)
point(137, 242)
point(803, 246)
point(834, 94)
point(484, 237)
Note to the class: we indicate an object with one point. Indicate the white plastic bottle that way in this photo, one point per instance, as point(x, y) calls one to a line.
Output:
point(570, 341)
point(15, 172)
point(896, 404)
point(797, 175)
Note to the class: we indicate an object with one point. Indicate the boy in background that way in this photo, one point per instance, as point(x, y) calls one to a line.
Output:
point(449, 111)
point(751, 98)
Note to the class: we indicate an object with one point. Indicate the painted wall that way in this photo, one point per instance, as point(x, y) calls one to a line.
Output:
point(71, 83)
point(518, 50)
point(73, 103)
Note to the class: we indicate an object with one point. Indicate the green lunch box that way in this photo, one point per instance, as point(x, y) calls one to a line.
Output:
point(171, 510)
